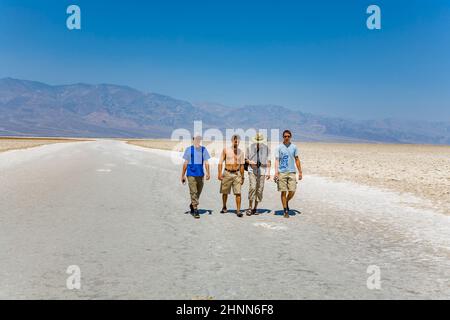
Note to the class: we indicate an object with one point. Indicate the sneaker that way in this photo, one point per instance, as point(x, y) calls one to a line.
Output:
point(196, 214)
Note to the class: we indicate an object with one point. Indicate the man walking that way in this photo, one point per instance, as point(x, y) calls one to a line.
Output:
point(195, 157)
point(257, 158)
point(285, 157)
point(233, 176)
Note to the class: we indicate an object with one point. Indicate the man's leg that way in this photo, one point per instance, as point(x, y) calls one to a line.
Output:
point(224, 200)
point(292, 187)
point(251, 192)
point(250, 205)
point(237, 192)
point(255, 208)
point(284, 202)
point(225, 188)
point(193, 188)
point(256, 191)
point(290, 195)
point(238, 204)
point(199, 189)
point(193, 191)
point(283, 199)
point(259, 191)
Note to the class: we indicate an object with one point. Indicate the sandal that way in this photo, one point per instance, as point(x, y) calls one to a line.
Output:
point(224, 210)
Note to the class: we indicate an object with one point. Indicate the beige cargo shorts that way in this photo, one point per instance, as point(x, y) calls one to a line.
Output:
point(231, 180)
point(287, 181)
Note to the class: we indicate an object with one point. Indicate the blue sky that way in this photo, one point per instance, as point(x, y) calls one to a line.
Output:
point(315, 56)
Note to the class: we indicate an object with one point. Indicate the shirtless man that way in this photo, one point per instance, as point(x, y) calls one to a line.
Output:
point(233, 176)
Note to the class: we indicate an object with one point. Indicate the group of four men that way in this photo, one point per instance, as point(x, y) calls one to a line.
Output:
point(256, 161)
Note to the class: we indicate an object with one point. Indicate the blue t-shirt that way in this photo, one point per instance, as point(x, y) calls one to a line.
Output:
point(286, 157)
point(195, 158)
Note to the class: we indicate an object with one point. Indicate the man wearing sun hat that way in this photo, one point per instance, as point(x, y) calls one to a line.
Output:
point(258, 160)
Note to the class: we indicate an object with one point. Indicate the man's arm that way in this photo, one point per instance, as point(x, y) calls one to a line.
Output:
point(207, 170)
point(183, 171)
point(220, 166)
point(277, 164)
point(299, 168)
point(241, 169)
point(269, 164)
point(246, 156)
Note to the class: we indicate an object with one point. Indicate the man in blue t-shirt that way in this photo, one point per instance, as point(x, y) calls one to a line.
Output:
point(286, 159)
point(195, 157)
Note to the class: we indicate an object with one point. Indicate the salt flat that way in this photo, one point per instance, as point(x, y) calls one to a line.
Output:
point(14, 143)
point(421, 170)
point(118, 212)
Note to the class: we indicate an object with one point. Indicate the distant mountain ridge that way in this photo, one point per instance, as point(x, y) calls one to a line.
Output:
point(30, 108)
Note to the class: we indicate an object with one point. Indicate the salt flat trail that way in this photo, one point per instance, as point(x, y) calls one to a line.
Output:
point(117, 211)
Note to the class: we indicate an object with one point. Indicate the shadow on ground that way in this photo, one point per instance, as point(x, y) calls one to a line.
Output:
point(243, 211)
point(201, 211)
point(291, 212)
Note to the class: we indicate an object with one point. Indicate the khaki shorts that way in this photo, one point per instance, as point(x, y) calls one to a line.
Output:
point(231, 180)
point(287, 181)
point(256, 187)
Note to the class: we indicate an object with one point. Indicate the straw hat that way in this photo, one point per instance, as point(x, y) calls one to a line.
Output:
point(259, 138)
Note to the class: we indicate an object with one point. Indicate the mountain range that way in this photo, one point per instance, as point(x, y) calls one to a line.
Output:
point(30, 108)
